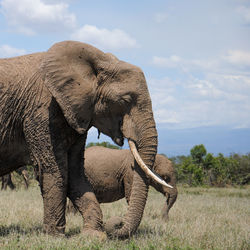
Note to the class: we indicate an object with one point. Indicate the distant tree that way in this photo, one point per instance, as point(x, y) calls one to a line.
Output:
point(193, 172)
point(201, 167)
point(239, 172)
point(208, 166)
point(219, 170)
point(209, 161)
point(198, 153)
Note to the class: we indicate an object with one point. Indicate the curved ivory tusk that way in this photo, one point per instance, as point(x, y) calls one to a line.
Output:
point(144, 167)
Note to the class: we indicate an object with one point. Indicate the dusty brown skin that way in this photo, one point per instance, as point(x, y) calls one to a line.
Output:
point(110, 172)
point(49, 100)
point(7, 181)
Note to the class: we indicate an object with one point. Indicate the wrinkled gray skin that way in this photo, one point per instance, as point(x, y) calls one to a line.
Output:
point(110, 172)
point(48, 102)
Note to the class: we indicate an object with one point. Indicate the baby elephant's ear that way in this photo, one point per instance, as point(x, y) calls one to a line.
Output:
point(71, 80)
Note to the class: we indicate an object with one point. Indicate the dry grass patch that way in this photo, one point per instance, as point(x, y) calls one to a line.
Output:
point(202, 218)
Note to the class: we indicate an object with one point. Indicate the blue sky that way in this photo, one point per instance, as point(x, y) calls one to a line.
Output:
point(195, 54)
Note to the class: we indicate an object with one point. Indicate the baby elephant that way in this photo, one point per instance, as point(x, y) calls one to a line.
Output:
point(110, 171)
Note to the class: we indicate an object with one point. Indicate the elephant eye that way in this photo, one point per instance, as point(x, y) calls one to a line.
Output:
point(167, 178)
point(126, 99)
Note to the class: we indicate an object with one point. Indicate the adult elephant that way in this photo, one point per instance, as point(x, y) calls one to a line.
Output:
point(49, 100)
point(110, 172)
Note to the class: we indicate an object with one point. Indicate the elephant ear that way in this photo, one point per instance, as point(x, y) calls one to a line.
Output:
point(70, 77)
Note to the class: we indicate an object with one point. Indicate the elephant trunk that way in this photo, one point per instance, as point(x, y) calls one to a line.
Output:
point(146, 143)
point(171, 198)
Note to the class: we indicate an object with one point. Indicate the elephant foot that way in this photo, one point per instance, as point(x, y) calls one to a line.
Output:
point(94, 234)
point(112, 224)
point(54, 231)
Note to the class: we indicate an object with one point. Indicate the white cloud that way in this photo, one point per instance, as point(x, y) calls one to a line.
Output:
point(214, 97)
point(238, 57)
point(32, 16)
point(201, 105)
point(204, 89)
point(104, 38)
point(182, 64)
point(42, 16)
point(8, 51)
point(245, 13)
point(168, 62)
point(232, 61)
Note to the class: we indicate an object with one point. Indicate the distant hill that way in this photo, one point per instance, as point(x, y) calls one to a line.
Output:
point(174, 142)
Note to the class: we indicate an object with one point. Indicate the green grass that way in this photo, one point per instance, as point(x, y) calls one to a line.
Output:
point(202, 218)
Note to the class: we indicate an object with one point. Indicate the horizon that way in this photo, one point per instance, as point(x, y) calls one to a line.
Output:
point(176, 146)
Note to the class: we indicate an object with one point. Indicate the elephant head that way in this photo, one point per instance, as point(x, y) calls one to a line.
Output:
point(94, 88)
point(164, 168)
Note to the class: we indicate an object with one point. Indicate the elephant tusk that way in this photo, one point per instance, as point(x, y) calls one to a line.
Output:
point(144, 167)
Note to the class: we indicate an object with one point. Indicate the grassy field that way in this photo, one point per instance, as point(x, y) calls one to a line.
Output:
point(202, 218)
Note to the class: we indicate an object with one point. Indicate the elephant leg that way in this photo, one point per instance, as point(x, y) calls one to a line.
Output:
point(2, 179)
point(53, 189)
point(81, 192)
point(10, 182)
point(6, 181)
point(86, 203)
point(50, 156)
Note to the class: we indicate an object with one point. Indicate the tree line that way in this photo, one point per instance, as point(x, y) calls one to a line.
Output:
point(202, 168)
